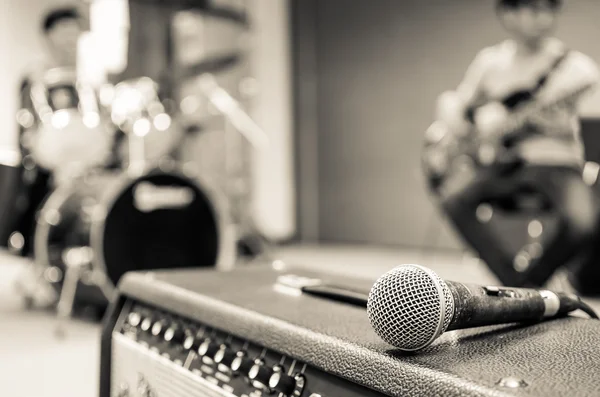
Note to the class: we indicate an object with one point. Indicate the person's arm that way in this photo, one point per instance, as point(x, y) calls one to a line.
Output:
point(452, 107)
point(578, 73)
point(578, 76)
point(25, 116)
point(452, 119)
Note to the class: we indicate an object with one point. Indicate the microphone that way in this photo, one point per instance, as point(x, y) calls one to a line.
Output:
point(410, 306)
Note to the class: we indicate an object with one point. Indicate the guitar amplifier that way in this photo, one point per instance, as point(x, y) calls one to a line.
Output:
point(202, 333)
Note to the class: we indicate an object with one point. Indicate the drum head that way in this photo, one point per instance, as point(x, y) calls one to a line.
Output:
point(159, 221)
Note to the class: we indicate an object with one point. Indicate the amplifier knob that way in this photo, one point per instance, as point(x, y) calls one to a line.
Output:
point(225, 356)
point(175, 335)
point(261, 374)
point(208, 348)
point(241, 364)
point(190, 343)
point(159, 328)
point(146, 324)
point(134, 319)
point(282, 383)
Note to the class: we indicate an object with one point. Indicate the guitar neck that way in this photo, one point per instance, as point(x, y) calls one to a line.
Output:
point(520, 119)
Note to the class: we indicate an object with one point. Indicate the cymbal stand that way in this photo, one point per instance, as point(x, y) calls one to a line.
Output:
point(78, 264)
point(137, 153)
point(237, 185)
point(131, 111)
point(32, 283)
point(240, 195)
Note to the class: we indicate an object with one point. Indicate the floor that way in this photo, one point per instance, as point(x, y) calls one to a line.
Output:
point(36, 364)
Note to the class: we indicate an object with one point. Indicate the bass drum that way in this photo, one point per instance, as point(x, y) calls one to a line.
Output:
point(24, 188)
point(159, 220)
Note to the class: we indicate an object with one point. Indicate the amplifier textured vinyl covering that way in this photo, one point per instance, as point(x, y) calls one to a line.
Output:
point(318, 347)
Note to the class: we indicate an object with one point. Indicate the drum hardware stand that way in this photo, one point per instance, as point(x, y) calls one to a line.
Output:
point(229, 107)
point(78, 263)
point(237, 188)
point(30, 290)
point(33, 278)
point(137, 153)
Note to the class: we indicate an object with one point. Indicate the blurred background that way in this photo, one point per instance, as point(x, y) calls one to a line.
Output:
point(298, 123)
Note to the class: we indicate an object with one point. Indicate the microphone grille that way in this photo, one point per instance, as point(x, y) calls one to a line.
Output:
point(410, 306)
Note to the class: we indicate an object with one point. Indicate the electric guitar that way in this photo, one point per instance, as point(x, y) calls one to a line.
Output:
point(446, 153)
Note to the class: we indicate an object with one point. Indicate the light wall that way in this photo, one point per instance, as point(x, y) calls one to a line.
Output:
point(274, 186)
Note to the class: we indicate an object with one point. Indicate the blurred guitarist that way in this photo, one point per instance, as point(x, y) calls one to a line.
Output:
point(517, 105)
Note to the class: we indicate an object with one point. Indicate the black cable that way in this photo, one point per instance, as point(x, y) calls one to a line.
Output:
point(339, 294)
point(587, 309)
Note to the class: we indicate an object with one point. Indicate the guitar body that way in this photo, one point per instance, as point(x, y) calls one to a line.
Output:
point(455, 160)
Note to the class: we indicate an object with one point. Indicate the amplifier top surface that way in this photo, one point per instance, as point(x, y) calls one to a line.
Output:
point(555, 358)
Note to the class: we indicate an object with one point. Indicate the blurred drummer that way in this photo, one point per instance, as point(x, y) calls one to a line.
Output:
point(61, 29)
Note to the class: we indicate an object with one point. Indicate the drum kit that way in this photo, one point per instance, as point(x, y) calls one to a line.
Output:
point(152, 212)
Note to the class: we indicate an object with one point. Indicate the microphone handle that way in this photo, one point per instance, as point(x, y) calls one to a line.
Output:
point(476, 306)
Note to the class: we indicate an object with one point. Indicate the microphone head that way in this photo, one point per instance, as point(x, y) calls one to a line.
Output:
point(410, 306)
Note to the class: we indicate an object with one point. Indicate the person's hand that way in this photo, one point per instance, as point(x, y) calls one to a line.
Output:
point(491, 119)
point(450, 111)
point(435, 154)
point(436, 161)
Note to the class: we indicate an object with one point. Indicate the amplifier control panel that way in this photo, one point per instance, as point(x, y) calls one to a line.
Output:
point(158, 354)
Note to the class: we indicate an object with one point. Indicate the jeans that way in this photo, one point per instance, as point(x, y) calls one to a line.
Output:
point(570, 199)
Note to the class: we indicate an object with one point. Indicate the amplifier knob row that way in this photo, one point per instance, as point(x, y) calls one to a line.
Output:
point(262, 376)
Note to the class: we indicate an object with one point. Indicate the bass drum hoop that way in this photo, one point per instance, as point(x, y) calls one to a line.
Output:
point(41, 236)
point(226, 250)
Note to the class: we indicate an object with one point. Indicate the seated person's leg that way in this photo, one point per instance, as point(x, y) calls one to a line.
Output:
point(461, 208)
point(575, 204)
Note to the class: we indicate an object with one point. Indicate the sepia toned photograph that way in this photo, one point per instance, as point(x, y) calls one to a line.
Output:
point(300, 198)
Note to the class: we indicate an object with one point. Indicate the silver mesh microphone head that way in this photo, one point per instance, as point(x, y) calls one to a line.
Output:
point(410, 306)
